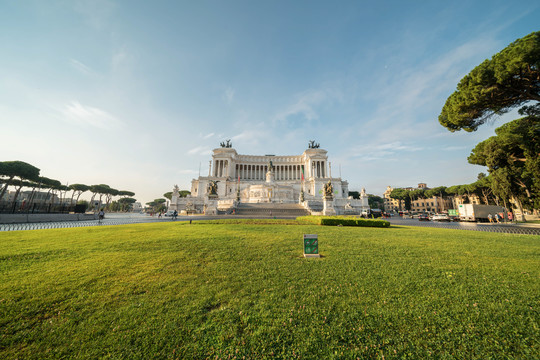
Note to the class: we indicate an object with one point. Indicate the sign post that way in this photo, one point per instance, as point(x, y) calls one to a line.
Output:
point(311, 245)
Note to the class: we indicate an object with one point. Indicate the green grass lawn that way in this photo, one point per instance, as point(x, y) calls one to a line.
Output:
point(174, 290)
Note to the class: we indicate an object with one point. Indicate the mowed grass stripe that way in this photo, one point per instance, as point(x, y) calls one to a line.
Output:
point(210, 290)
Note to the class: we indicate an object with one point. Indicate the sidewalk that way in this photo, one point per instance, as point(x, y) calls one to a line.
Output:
point(527, 224)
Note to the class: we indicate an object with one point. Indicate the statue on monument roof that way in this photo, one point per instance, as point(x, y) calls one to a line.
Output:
point(226, 144)
point(313, 145)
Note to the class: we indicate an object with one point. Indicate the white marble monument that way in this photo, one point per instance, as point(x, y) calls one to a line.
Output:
point(256, 179)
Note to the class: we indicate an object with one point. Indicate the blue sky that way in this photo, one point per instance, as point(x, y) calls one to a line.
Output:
point(136, 94)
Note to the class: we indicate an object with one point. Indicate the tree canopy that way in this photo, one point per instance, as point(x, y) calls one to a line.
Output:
point(158, 205)
point(18, 175)
point(354, 194)
point(11, 169)
point(375, 202)
point(126, 193)
point(512, 157)
point(181, 193)
point(510, 79)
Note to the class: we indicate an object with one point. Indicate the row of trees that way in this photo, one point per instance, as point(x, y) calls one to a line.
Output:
point(19, 175)
point(509, 80)
point(159, 205)
point(374, 201)
point(483, 188)
point(409, 195)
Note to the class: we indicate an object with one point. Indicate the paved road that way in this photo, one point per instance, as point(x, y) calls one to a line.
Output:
point(122, 219)
point(526, 229)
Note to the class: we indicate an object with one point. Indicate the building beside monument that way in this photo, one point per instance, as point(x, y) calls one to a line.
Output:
point(435, 204)
point(258, 180)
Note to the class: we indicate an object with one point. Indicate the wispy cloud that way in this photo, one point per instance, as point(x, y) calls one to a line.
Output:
point(208, 136)
point(201, 150)
point(397, 146)
point(96, 12)
point(306, 105)
point(80, 66)
point(454, 148)
point(119, 58)
point(249, 137)
point(414, 97)
point(188, 171)
point(88, 115)
point(387, 151)
point(228, 95)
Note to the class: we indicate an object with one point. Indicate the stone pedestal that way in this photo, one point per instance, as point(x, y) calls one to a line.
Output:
point(211, 205)
point(270, 176)
point(328, 209)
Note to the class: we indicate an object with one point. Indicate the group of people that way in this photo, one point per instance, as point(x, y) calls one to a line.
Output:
point(500, 216)
point(174, 215)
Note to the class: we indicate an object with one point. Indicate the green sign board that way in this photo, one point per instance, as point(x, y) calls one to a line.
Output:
point(452, 212)
point(311, 245)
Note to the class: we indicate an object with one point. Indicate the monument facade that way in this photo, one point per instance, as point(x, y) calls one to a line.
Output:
point(304, 179)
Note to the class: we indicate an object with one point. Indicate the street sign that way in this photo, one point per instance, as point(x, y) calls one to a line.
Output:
point(311, 245)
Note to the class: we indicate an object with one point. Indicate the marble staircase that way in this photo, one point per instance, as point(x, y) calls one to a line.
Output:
point(271, 209)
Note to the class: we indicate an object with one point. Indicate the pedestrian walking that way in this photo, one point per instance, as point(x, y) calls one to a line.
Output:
point(490, 218)
point(510, 216)
point(175, 214)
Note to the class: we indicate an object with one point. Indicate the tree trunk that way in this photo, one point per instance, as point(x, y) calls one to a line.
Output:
point(62, 197)
point(99, 206)
point(47, 197)
point(108, 198)
point(485, 196)
point(14, 204)
point(506, 207)
point(31, 198)
point(8, 182)
point(527, 192)
point(442, 203)
point(520, 207)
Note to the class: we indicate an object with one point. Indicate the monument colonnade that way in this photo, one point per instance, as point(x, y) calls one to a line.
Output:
point(284, 172)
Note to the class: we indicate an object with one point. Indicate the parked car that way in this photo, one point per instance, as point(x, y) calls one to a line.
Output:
point(440, 217)
point(423, 217)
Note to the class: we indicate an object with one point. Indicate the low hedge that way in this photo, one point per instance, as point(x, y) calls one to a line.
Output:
point(343, 221)
point(243, 222)
point(302, 220)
